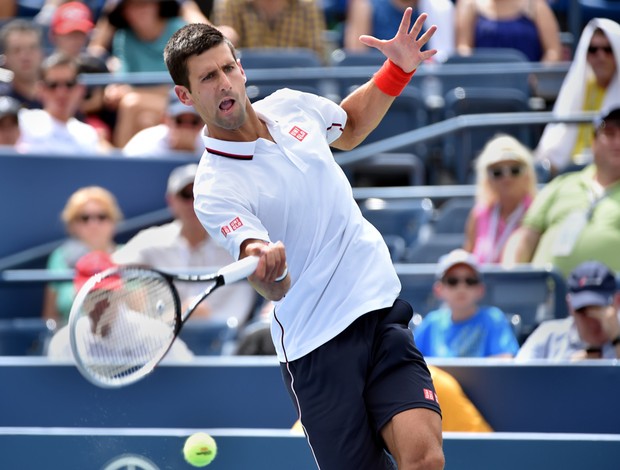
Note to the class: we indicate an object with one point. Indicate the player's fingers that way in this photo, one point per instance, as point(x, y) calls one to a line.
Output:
point(417, 26)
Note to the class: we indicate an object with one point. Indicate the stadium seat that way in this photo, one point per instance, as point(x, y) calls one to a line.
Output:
point(402, 222)
point(461, 148)
point(209, 337)
point(278, 57)
point(435, 246)
point(341, 58)
point(452, 215)
point(486, 55)
point(388, 169)
point(599, 8)
point(24, 336)
point(406, 113)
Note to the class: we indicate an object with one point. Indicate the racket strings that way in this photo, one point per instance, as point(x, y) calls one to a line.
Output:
point(124, 329)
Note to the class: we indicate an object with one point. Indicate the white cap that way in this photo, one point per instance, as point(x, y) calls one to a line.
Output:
point(181, 177)
point(458, 256)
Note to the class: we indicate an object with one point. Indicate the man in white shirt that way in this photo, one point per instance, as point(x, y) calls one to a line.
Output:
point(55, 129)
point(184, 244)
point(179, 133)
point(268, 186)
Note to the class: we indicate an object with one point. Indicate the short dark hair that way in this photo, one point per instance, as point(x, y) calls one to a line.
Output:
point(57, 59)
point(192, 39)
point(22, 26)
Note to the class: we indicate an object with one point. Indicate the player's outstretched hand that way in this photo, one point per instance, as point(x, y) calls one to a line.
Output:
point(405, 49)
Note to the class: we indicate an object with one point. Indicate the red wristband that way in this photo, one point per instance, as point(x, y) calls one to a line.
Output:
point(391, 79)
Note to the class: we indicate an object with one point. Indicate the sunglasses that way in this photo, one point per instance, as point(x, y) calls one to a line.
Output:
point(508, 170)
point(85, 218)
point(70, 84)
point(455, 281)
point(186, 193)
point(595, 49)
point(192, 121)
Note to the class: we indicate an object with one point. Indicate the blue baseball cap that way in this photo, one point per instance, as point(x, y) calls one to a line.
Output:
point(591, 284)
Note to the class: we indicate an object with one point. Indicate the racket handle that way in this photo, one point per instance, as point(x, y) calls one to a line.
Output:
point(239, 269)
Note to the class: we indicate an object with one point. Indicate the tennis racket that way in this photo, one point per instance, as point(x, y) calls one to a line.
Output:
point(124, 320)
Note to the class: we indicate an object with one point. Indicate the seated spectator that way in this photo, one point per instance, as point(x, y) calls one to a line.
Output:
point(576, 216)
point(269, 23)
point(143, 28)
point(380, 18)
point(180, 132)
point(463, 328)
point(90, 217)
point(87, 266)
point(9, 122)
point(591, 84)
point(22, 53)
point(505, 187)
point(592, 330)
point(529, 26)
point(70, 28)
point(184, 244)
point(190, 10)
point(55, 128)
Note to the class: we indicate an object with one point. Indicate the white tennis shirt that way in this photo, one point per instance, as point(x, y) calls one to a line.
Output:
point(293, 191)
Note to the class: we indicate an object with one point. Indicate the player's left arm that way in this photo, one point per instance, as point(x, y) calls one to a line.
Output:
point(367, 105)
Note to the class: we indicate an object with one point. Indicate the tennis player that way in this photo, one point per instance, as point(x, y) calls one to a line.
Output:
point(268, 185)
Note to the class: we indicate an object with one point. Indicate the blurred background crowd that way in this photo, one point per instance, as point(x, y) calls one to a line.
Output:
point(524, 232)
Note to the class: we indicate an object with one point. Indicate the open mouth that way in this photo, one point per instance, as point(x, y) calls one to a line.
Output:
point(227, 104)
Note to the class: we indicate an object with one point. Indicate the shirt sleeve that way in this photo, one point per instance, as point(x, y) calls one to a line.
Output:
point(535, 345)
point(228, 217)
point(536, 215)
point(333, 116)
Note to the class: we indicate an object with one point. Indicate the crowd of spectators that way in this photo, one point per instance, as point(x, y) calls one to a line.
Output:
point(46, 109)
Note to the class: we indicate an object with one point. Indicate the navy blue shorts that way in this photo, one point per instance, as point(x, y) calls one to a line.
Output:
point(350, 387)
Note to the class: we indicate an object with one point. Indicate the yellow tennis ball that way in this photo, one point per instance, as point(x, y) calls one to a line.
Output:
point(200, 449)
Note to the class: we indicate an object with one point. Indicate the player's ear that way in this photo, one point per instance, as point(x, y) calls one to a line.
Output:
point(184, 95)
point(245, 77)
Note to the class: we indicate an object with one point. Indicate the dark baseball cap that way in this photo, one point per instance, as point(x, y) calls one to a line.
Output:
point(591, 284)
point(607, 114)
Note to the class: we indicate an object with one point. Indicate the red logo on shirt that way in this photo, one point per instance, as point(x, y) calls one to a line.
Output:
point(236, 223)
point(298, 133)
point(232, 226)
point(430, 395)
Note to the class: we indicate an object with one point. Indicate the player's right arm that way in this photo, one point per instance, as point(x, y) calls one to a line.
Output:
point(271, 267)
